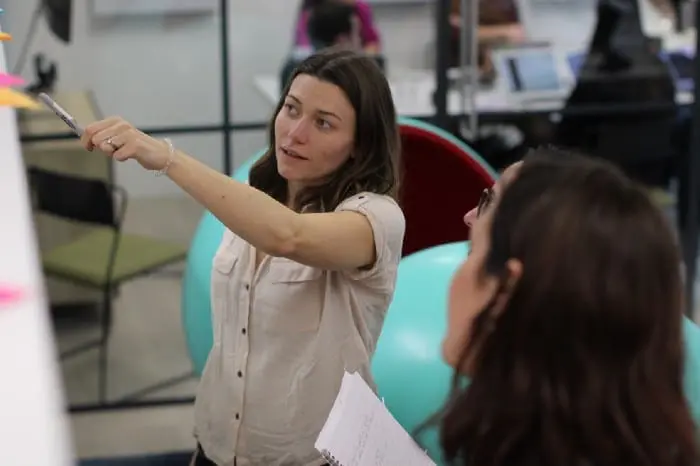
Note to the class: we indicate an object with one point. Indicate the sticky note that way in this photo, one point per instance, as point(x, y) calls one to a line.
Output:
point(11, 98)
point(5, 36)
point(9, 80)
point(10, 294)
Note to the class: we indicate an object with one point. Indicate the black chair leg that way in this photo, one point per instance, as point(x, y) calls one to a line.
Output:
point(103, 366)
point(102, 382)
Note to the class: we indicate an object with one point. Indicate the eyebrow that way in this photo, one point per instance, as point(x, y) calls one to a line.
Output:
point(319, 111)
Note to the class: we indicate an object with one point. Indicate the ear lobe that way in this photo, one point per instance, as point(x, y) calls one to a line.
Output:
point(514, 269)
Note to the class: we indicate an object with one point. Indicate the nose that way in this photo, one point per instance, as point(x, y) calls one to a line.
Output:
point(469, 217)
point(299, 130)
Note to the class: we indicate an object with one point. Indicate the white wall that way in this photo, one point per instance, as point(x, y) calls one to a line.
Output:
point(165, 71)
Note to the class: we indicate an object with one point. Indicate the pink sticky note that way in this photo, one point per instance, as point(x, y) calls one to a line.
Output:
point(9, 80)
point(10, 294)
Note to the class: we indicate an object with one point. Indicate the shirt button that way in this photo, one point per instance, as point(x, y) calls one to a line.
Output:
point(247, 286)
point(243, 331)
point(238, 416)
point(240, 374)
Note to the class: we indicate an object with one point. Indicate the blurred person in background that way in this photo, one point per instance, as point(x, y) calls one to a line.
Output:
point(330, 23)
point(499, 23)
point(368, 32)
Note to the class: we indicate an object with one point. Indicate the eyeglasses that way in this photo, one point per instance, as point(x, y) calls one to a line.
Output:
point(485, 200)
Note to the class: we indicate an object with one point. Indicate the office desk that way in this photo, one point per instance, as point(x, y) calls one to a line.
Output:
point(412, 91)
point(33, 425)
point(567, 25)
point(64, 156)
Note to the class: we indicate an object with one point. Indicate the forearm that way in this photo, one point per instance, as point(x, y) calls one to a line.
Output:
point(372, 48)
point(249, 213)
point(498, 33)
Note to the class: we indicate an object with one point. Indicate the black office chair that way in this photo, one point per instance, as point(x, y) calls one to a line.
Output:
point(103, 258)
point(623, 105)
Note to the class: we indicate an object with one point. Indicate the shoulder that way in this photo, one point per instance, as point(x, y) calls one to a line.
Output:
point(368, 202)
point(386, 219)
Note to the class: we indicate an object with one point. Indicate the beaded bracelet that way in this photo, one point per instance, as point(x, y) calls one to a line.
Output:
point(171, 149)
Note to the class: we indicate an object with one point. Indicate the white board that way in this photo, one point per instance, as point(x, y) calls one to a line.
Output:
point(153, 7)
point(33, 421)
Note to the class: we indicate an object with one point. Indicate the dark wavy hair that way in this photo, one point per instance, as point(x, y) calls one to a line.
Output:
point(584, 364)
point(377, 144)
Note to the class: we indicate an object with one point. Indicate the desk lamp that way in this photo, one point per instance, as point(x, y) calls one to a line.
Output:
point(58, 15)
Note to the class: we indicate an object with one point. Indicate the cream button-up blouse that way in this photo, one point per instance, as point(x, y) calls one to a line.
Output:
point(283, 336)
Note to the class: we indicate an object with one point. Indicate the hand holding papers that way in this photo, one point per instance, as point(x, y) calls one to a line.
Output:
point(360, 431)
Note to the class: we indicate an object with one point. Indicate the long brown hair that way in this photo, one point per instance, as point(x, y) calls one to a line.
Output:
point(377, 145)
point(584, 365)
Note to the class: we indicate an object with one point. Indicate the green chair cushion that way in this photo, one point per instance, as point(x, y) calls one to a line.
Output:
point(85, 260)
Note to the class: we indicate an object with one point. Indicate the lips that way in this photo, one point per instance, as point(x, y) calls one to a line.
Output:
point(292, 154)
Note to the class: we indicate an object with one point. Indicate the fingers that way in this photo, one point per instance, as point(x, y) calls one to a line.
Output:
point(125, 151)
point(97, 134)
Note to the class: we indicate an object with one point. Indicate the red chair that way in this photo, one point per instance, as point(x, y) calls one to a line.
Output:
point(443, 179)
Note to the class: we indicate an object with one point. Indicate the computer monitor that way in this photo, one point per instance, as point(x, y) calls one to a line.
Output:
point(58, 16)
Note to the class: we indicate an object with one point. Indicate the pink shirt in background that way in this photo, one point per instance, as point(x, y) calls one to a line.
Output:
point(368, 32)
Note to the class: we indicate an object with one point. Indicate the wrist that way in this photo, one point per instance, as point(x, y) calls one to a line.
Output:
point(169, 158)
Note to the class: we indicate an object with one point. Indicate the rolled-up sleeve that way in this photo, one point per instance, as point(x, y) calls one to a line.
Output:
point(388, 227)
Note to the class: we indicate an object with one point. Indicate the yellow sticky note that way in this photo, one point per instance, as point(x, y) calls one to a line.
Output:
point(16, 99)
point(5, 36)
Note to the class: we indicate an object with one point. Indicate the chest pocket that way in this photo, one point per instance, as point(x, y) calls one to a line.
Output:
point(289, 299)
point(223, 269)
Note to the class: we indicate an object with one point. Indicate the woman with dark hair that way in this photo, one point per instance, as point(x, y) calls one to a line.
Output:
point(566, 317)
point(369, 37)
point(307, 266)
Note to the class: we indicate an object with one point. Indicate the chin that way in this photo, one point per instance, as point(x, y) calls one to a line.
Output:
point(286, 172)
point(447, 353)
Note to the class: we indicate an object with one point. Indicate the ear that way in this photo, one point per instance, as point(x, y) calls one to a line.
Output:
point(514, 271)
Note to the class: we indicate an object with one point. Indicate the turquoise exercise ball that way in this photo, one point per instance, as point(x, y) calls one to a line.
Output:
point(196, 296)
point(691, 335)
point(408, 368)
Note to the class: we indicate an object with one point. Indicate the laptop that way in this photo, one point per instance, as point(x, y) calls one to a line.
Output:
point(533, 73)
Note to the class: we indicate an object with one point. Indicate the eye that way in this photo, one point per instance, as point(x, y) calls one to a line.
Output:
point(291, 110)
point(323, 124)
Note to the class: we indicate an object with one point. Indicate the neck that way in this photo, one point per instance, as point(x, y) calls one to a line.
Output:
point(293, 190)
